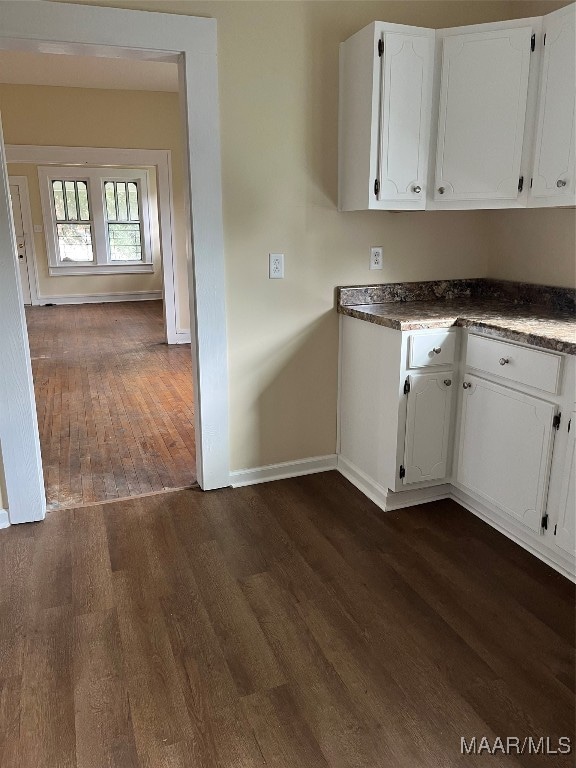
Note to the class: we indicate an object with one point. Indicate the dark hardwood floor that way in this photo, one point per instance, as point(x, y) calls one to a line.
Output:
point(290, 625)
point(115, 403)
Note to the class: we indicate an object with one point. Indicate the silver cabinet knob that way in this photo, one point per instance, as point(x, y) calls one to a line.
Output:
point(466, 385)
point(416, 189)
point(448, 382)
point(441, 190)
point(561, 183)
point(504, 361)
point(437, 350)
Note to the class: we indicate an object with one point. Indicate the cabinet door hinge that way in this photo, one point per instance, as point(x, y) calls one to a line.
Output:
point(556, 421)
point(407, 386)
point(380, 47)
point(533, 42)
point(376, 187)
point(402, 471)
point(545, 522)
point(520, 183)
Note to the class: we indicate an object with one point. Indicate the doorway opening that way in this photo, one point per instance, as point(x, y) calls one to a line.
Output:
point(111, 33)
point(100, 238)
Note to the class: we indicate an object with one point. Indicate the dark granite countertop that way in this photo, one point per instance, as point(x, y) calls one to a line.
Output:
point(550, 326)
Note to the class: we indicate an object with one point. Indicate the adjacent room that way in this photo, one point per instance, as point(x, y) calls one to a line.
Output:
point(287, 383)
point(101, 247)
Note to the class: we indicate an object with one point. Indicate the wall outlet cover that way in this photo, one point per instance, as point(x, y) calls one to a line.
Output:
point(275, 266)
point(376, 258)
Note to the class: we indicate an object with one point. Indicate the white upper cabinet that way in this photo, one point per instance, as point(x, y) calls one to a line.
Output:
point(481, 116)
point(384, 117)
point(554, 173)
point(482, 111)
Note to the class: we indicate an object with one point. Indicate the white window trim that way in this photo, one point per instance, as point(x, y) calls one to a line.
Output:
point(95, 177)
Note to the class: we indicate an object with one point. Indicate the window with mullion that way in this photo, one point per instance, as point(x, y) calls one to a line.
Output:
point(73, 220)
point(123, 220)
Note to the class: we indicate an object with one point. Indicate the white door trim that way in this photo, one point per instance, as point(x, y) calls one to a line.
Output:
point(22, 183)
point(19, 438)
point(161, 160)
point(192, 43)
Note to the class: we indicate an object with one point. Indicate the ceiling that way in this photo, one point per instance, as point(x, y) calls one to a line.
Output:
point(27, 68)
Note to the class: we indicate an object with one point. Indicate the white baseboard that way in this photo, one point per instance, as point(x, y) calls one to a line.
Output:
point(555, 559)
point(99, 298)
point(386, 499)
point(4, 519)
point(282, 471)
point(182, 337)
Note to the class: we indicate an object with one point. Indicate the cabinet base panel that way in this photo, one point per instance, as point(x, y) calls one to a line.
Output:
point(556, 560)
point(389, 500)
point(383, 497)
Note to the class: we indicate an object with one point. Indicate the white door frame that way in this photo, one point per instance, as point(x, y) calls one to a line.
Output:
point(22, 183)
point(191, 42)
point(161, 161)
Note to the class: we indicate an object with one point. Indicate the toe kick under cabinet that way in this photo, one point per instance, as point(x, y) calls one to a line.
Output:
point(429, 414)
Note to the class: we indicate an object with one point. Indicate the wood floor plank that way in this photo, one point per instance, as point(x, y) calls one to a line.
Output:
point(47, 721)
point(282, 733)
point(103, 721)
point(288, 624)
point(248, 654)
point(105, 383)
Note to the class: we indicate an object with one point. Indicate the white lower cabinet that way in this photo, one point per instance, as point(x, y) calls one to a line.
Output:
point(428, 422)
point(505, 449)
point(514, 444)
point(564, 530)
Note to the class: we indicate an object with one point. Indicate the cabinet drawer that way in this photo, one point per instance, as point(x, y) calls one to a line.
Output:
point(509, 361)
point(432, 349)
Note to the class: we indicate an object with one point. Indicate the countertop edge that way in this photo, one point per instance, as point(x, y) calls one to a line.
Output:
point(474, 324)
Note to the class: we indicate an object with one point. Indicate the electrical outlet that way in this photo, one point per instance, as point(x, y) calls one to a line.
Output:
point(376, 257)
point(275, 266)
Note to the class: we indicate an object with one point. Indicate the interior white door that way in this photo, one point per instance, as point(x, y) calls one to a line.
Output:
point(428, 420)
point(483, 91)
point(407, 63)
point(565, 527)
point(20, 242)
point(554, 174)
point(505, 449)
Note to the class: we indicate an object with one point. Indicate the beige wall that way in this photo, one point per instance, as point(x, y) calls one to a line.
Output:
point(75, 117)
point(534, 246)
point(278, 66)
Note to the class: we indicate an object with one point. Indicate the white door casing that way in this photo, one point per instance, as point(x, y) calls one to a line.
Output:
point(428, 421)
point(192, 43)
point(554, 173)
point(482, 112)
point(505, 448)
point(21, 242)
point(19, 437)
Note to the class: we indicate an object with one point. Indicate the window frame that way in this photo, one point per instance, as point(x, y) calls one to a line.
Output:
point(95, 178)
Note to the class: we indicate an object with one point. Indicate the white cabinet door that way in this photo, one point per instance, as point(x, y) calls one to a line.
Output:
point(565, 527)
point(428, 420)
point(505, 449)
point(554, 177)
point(405, 104)
point(482, 112)
point(384, 116)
